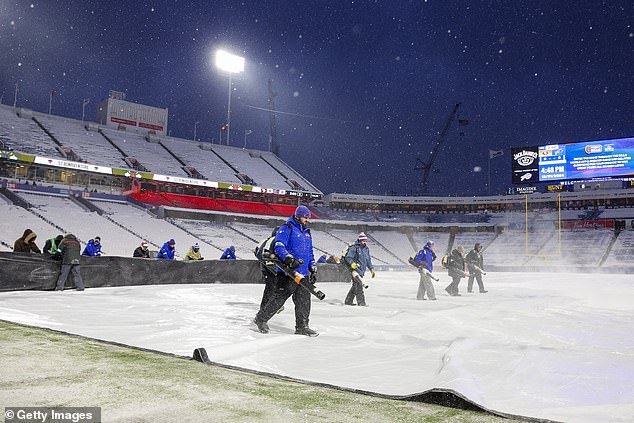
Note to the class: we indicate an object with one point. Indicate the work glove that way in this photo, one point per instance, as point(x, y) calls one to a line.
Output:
point(373, 272)
point(313, 274)
point(291, 262)
point(354, 266)
point(202, 258)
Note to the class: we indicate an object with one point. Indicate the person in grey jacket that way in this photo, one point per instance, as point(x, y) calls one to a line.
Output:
point(475, 264)
point(358, 259)
point(70, 249)
point(456, 268)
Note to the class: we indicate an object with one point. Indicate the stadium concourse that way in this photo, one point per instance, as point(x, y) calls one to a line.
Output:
point(548, 341)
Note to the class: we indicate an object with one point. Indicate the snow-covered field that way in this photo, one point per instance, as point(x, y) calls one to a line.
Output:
point(552, 346)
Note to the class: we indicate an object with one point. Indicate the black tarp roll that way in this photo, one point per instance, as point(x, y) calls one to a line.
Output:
point(38, 272)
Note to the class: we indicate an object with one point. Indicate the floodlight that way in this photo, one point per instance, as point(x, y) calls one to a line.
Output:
point(229, 62)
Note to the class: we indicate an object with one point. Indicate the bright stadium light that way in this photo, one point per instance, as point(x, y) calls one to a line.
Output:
point(232, 64)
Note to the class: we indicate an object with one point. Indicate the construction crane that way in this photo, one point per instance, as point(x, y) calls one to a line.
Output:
point(427, 167)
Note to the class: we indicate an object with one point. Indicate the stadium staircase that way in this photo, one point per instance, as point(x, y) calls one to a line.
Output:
point(51, 136)
point(85, 204)
point(410, 237)
point(123, 154)
point(608, 248)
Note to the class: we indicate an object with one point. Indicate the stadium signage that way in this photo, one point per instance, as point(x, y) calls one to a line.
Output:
point(87, 167)
point(524, 167)
point(525, 158)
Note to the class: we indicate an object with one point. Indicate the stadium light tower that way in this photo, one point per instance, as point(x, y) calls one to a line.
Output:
point(232, 64)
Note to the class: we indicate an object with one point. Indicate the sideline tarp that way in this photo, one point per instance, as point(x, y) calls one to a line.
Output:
point(30, 271)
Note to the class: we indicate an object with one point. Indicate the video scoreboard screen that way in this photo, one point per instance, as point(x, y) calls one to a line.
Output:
point(583, 160)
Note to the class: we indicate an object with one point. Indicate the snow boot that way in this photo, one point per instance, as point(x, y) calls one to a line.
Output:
point(263, 327)
point(305, 330)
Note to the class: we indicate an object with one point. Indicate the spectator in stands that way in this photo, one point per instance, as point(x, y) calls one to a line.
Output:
point(456, 268)
point(194, 253)
point(142, 250)
point(51, 247)
point(26, 243)
point(294, 246)
point(425, 261)
point(475, 264)
point(167, 250)
point(358, 258)
point(70, 248)
point(229, 254)
point(93, 247)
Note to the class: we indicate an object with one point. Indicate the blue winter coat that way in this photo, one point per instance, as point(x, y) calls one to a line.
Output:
point(425, 258)
point(92, 249)
point(322, 259)
point(166, 252)
point(228, 255)
point(292, 239)
point(360, 254)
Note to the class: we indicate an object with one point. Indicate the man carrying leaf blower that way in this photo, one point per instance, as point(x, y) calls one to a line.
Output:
point(358, 259)
point(293, 248)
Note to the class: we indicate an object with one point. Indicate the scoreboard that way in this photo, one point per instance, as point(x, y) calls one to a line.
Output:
point(582, 160)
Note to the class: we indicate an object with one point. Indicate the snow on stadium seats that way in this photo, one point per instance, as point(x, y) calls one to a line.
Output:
point(152, 229)
point(16, 219)
point(469, 239)
point(90, 145)
point(200, 156)
point(151, 155)
point(24, 135)
point(583, 248)
point(221, 236)
point(84, 224)
point(622, 253)
point(394, 241)
point(288, 171)
point(510, 249)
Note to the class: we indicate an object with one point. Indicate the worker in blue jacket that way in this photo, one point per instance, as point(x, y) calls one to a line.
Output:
point(294, 246)
point(167, 250)
point(425, 261)
point(358, 259)
point(229, 254)
point(93, 248)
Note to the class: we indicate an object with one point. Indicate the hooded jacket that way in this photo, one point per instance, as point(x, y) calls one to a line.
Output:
point(297, 241)
point(455, 265)
point(425, 258)
point(228, 255)
point(166, 252)
point(92, 249)
point(26, 243)
point(360, 254)
point(70, 249)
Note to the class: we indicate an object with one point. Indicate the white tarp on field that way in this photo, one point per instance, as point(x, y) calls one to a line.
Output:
point(555, 346)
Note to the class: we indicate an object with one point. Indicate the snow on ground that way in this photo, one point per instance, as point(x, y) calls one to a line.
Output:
point(554, 346)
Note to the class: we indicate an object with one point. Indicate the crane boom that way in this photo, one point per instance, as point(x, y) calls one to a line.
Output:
point(426, 167)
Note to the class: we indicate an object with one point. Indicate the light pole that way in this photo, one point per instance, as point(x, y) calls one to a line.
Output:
point(246, 132)
point(83, 108)
point(195, 125)
point(233, 64)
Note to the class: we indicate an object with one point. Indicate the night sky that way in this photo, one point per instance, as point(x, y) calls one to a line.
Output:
point(365, 86)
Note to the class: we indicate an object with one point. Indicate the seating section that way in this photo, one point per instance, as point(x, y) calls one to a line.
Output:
point(221, 236)
point(204, 160)
point(469, 239)
point(154, 230)
point(15, 220)
point(151, 155)
point(288, 171)
point(394, 241)
point(510, 247)
point(24, 135)
point(91, 146)
point(576, 248)
point(622, 252)
point(83, 224)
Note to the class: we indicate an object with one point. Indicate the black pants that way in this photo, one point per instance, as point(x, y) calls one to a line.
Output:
point(452, 288)
point(67, 269)
point(270, 283)
point(356, 291)
point(286, 287)
point(478, 277)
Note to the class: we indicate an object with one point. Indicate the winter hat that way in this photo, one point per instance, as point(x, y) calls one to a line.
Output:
point(144, 244)
point(430, 243)
point(97, 239)
point(196, 247)
point(302, 211)
point(171, 242)
point(232, 248)
point(362, 237)
point(477, 246)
